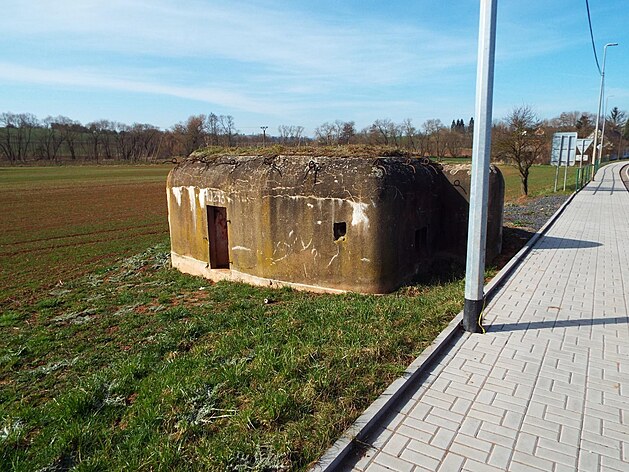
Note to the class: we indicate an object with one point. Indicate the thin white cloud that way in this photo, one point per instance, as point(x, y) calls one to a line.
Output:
point(90, 80)
point(250, 42)
point(281, 40)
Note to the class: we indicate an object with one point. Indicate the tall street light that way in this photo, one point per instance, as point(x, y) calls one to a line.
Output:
point(479, 191)
point(600, 157)
point(600, 102)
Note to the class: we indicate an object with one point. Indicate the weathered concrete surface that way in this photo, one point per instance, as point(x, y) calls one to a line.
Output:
point(322, 223)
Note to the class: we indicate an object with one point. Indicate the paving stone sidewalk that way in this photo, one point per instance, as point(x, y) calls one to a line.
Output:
point(547, 387)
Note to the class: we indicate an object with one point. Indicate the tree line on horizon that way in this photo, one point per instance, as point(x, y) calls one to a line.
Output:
point(25, 139)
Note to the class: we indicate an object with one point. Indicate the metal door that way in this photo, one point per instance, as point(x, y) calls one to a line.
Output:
point(217, 237)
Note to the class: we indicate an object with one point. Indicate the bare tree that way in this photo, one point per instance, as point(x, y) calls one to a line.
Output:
point(409, 132)
point(16, 135)
point(212, 127)
point(24, 137)
point(422, 143)
point(71, 132)
point(519, 142)
point(51, 139)
point(191, 134)
point(284, 132)
point(432, 126)
point(298, 134)
point(124, 141)
point(434, 130)
point(148, 139)
point(327, 133)
point(566, 121)
point(453, 142)
point(384, 131)
point(290, 134)
point(106, 132)
point(95, 137)
point(227, 128)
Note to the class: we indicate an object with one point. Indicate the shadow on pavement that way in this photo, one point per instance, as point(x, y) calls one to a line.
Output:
point(552, 242)
point(556, 324)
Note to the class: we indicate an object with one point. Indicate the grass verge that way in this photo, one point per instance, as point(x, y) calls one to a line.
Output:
point(139, 367)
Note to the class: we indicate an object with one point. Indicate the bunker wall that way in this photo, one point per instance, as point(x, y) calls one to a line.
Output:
point(331, 224)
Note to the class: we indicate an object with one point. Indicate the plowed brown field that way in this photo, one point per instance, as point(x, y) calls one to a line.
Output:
point(59, 222)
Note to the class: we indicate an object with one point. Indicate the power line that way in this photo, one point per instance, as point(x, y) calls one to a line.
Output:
point(587, 7)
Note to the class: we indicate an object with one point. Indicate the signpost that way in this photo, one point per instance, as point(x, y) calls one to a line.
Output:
point(564, 152)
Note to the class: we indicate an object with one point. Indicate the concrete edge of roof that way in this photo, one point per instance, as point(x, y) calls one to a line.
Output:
point(384, 404)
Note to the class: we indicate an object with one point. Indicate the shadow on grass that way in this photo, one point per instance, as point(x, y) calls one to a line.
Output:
point(447, 268)
point(444, 269)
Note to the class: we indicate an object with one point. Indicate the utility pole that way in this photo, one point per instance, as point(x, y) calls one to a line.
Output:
point(264, 128)
point(477, 225)
point(600, 154)
point(598, 113)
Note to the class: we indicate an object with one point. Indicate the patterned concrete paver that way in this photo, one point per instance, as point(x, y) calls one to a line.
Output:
point(547, 387)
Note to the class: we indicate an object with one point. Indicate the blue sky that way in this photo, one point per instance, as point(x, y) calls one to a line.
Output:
point(301, 62)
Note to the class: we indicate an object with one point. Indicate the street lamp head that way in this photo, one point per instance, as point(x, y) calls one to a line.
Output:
point(611, 44)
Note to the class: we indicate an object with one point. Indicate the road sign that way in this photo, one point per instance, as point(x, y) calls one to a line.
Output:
point(564, 149)
point(584, 149)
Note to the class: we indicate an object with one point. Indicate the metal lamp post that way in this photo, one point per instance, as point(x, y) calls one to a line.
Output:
point(477, 225)
point(600, 156)
point(600, 102)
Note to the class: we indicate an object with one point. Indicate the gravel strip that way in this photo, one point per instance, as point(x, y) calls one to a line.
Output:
point(532, 214)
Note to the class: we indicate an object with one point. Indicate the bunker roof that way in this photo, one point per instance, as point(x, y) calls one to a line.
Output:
point(346, 176)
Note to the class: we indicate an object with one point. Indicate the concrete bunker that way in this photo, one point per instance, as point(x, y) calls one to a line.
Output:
point(329, 224)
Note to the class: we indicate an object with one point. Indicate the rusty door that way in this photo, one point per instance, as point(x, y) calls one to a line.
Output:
point(217, 237)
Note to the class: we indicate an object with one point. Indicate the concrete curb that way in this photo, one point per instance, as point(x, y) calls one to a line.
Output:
point(623, 177)
point(384, 404)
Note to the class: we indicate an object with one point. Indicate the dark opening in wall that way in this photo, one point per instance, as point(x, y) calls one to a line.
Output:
point(421, 239)
point(217, 237)
point(340, 230)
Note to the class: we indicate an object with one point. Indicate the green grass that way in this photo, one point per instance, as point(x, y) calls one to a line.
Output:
point(137, 366)
point(541, 181)
point(59, 176)
point(118, 363)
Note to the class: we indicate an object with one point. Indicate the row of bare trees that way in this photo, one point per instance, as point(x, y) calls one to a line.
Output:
point(521, 138)
point(433, 138)
point(23, 138)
